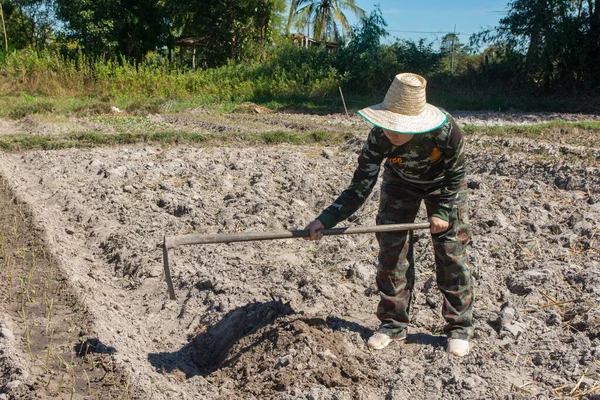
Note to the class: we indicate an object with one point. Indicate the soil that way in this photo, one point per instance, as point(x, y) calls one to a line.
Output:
point(289, 319)
point(45, 348)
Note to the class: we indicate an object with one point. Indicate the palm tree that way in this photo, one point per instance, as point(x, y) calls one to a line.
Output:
point(291, 17)
point(324, 15)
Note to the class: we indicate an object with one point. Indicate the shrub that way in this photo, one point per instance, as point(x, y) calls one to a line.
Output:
point(23, 110)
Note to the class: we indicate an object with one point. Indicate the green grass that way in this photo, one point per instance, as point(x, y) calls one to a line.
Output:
point(90, 140)
point(577, 134)
point(534, 131)
point(17, 106)
point(134, 129)
point(124, 122)
point(23, 110)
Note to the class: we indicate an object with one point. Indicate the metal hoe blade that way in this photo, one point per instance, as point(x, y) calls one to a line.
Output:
point(171, 242)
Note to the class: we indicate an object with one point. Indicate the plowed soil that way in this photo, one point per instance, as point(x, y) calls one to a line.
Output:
point(289, 319)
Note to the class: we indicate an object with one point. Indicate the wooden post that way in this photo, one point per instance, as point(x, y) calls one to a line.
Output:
point(343, 101)
point(194, 57)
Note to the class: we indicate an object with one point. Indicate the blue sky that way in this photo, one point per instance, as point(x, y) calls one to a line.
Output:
point(469, 16)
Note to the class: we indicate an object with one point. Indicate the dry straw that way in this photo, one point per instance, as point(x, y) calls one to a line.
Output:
point(405, 108)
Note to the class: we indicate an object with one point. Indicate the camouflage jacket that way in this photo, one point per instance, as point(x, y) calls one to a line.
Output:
point(434, 161)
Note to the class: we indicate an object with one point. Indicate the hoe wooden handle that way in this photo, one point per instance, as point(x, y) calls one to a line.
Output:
point(183, 240)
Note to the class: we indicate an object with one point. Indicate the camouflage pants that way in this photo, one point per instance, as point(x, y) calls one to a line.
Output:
point(400, 202)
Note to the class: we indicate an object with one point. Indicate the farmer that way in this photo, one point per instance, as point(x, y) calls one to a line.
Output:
point(424, 152)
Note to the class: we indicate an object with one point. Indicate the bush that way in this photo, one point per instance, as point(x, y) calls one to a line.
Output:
point(23, 110)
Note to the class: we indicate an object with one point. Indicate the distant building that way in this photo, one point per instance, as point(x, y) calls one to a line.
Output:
point(192, 43)
point(306, 42)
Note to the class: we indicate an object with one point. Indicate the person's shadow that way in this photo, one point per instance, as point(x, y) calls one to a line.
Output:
point(425, 339)
point(209, 351)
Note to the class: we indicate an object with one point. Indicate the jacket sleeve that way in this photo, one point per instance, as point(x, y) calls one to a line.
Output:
point(363, 181)
point(453, 149)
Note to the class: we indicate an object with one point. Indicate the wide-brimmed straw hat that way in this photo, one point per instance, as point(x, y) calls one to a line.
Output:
point(405, 108)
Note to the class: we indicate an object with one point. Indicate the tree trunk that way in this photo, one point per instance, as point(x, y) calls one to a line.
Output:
point(4, 28)
point(291, 17)
point(593, 45)
point(541, 15)
point(595, 21)
point(534, 41)
point(23, 28)
point(263, 29)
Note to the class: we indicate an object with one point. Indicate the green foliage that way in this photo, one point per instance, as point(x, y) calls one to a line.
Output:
point(294, 71)
point(115, 27)
point(108, 29)
point(126, 48)
point(29, 23)
point(549, 44)
point(418, 57)
point(280, 137)
point(227, 29)
point(319, 136)
point(364, 64)
point(45, 72)
point(456, 57)
point(251, 63)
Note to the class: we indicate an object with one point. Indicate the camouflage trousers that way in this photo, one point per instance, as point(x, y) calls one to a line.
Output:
point(400, 202)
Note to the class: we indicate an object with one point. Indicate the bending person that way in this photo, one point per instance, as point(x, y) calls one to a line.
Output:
point(423, 149)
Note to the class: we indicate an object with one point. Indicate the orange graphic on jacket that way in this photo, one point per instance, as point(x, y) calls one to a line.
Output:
point(396, 160)
point(435, 154)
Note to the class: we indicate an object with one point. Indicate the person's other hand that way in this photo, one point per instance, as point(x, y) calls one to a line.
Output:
point(313, 227)
point(438, 225)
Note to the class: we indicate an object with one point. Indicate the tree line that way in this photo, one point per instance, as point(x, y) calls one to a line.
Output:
point(548, 44)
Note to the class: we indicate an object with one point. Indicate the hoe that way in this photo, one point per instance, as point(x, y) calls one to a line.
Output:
point(171, 242)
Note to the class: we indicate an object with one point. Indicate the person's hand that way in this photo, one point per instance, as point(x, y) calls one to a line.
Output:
point(438, 225)
point(313, 227)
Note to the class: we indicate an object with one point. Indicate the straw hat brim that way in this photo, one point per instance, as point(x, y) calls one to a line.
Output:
point(431, 118)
